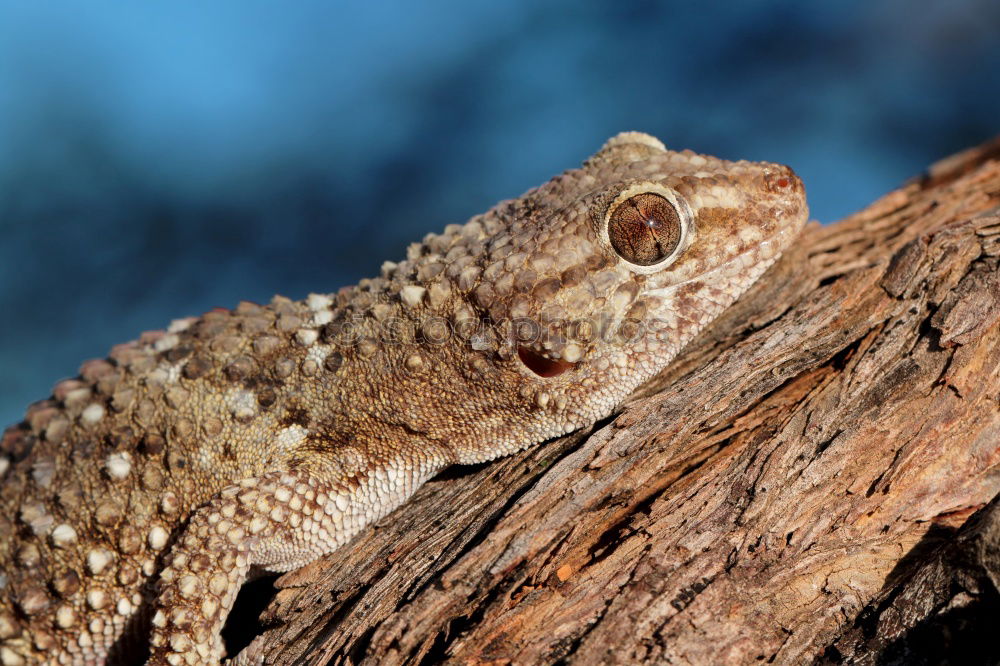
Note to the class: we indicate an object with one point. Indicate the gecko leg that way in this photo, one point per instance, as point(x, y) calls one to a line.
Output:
point(279, 521)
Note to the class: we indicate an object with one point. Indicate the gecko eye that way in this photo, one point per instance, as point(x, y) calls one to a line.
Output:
point(646, 227)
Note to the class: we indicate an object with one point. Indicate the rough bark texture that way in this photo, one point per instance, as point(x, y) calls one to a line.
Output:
point(793, 489)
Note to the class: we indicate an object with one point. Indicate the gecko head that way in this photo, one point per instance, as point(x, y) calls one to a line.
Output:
point(572, 295)
point(604, 273)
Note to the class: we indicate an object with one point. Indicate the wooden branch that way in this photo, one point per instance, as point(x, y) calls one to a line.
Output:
point(779, 481)
point(943, 608)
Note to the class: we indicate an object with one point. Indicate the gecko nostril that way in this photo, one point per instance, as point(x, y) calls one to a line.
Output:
point(541, 365)
point(781, 181)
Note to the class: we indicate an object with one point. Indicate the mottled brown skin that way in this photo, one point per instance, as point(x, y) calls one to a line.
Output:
point(140, 495)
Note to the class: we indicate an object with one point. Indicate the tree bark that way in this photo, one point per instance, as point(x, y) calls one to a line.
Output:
point(792, 489)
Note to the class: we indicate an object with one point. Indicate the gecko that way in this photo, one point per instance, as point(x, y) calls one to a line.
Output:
point(142, 493)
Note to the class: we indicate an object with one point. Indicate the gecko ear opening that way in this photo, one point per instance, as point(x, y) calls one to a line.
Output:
point(540, 365)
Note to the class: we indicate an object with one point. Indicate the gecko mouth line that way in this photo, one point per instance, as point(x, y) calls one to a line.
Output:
point(541, 365)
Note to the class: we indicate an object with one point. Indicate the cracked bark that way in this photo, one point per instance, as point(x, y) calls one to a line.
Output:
point(793, 488)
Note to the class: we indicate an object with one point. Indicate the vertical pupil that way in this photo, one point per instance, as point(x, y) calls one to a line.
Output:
point(645, 229)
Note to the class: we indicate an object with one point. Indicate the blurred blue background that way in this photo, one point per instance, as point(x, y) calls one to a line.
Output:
point(159, 159)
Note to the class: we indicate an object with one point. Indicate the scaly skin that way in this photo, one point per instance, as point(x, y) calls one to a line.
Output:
point(137, 498)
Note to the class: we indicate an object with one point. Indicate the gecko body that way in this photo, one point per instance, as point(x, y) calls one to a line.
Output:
point(138, 497)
